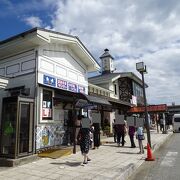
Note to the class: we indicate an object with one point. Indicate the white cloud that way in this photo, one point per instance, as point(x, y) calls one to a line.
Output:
point(33, 21)
point(133, 31)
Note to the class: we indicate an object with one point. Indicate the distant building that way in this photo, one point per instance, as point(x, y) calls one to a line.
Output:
point(174, 109)
point(125, 89)
point(125, 86)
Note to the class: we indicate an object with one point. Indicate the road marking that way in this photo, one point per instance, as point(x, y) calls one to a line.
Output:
point(169, 159)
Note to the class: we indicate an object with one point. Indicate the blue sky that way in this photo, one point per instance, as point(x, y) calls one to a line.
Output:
point(13, 15)
point(133, 31)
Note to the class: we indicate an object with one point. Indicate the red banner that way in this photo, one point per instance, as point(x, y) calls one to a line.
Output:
point(150, 108)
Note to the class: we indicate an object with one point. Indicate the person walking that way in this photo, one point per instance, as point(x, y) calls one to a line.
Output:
point(131, 133)
point(120, 130)
point(114, 131)
point(84, 139)
point(96, 135)
point(140, 137)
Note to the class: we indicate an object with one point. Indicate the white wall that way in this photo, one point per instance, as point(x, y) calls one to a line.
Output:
point(21, 63)
point(20, 68)
point(60, 62)
point(112, 94)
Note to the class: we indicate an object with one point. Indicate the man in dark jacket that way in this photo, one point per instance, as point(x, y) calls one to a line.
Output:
point(120, 130)
point(131, 133)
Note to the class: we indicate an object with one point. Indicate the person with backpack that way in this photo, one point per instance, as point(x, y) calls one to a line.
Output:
point(140, 137)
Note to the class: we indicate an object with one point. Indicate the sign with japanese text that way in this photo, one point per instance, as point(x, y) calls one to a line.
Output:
point(81, 89)
point(72, 87)
point(62, 84)
point(48, 80)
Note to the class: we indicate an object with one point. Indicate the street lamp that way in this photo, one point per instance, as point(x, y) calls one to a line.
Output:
point(141, 68)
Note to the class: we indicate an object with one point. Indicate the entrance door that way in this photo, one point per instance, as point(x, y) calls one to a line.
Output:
point(25, 133)
point(16, 137)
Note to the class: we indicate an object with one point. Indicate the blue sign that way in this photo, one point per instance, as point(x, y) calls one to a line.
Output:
point(62, 84)
point(49, 81)
point(81, 89)
point(72, 87)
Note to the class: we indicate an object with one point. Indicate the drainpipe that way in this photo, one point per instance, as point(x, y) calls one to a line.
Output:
point(35, 101)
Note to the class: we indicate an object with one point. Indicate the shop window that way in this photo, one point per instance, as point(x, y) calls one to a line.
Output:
point(92, 89)
point(47, 105)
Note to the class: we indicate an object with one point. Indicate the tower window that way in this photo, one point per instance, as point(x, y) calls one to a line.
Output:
point(115, 89)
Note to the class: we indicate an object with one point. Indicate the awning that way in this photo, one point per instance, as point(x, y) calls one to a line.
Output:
point(79, 98)
point(97, 100)
point(120, 102)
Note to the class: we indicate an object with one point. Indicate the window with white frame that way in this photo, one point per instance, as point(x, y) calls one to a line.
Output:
point(47, 105)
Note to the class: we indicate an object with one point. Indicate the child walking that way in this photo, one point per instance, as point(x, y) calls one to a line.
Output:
point(140, 137)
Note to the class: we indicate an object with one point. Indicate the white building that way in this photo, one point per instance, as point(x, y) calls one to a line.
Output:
point(47, 74)
point(125, 88)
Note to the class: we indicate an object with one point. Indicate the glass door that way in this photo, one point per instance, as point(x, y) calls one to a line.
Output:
point(8, 128)
point(25, 125)
point(16, 135)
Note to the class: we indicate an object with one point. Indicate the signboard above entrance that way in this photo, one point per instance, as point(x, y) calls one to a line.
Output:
point(62, 84)
point(51, 81)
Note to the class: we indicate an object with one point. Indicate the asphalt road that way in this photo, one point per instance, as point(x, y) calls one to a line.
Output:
point(167, 163)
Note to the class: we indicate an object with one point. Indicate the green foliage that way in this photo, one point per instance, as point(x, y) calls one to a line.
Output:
point(106, 128)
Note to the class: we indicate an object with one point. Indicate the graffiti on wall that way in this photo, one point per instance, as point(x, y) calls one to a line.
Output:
point(48, 136)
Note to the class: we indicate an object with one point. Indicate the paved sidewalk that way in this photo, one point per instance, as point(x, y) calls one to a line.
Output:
point(109, 162)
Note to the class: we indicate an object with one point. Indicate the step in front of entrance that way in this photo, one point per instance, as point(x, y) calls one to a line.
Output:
point(5, 162)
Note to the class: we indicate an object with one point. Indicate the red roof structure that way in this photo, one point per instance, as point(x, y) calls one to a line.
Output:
point(150, 108)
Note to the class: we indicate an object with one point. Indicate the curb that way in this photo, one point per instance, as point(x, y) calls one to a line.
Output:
point(157, 146)
point(132, 167)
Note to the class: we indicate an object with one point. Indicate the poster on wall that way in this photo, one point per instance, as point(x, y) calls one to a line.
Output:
point(58, 114)
point(44, 104)
point(96, 117)
point(130, 120)
point(139, 122)
point(46, 112)
point(119, 119)
point(45, 136)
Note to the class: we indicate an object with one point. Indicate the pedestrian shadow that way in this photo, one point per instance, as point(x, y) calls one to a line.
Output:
point(115, 145)
point(125, 152)
point(111, 145)
point(67, 163)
